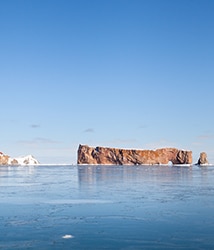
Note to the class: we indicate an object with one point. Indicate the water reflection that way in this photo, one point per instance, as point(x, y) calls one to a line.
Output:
point(96, 175)
point(150, 183)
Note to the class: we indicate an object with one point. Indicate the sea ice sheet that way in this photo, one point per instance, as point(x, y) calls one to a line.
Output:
point(107, 207)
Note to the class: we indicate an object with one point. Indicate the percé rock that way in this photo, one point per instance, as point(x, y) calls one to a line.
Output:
point(203, 159)
point(109, 156)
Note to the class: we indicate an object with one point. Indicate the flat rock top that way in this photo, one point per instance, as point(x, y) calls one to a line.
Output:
point(105, 156)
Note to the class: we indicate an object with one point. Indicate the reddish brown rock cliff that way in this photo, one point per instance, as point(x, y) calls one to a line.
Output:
point(4, 159)
point(203, 159)
point(108, 156)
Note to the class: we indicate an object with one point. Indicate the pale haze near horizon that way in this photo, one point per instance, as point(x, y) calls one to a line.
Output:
point(126, 74)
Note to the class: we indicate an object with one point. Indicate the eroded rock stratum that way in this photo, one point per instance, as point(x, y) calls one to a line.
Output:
point(203, 159)
point(115, 156)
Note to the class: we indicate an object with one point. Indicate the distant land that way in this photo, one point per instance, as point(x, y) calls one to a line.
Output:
point(116, 156)
point(25, 160)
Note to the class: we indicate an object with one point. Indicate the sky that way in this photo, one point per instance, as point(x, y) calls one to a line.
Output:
point(113, 73)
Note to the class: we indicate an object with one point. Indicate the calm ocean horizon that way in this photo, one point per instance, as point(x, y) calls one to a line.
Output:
point(106, 207)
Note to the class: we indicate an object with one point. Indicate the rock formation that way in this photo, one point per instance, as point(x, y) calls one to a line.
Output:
point(203, 159)
point(109, 156)
point(26, 160)
point(4, 159)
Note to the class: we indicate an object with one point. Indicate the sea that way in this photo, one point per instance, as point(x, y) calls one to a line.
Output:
point(106, 207)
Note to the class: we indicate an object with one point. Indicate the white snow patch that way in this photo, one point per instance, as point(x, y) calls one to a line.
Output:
point(68, 236)
point(25, 160)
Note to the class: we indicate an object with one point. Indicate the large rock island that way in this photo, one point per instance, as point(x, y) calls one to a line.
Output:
point(109, 156)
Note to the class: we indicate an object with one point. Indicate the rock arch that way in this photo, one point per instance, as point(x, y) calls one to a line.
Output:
point(114, 156)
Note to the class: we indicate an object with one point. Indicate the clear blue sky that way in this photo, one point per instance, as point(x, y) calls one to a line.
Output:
point(118, 73)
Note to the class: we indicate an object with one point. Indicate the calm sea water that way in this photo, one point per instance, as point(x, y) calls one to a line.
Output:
point(106, 207)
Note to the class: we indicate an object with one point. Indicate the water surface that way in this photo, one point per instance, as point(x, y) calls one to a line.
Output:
point(106, 207)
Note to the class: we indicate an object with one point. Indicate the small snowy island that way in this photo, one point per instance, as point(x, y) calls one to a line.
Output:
point(25, 160)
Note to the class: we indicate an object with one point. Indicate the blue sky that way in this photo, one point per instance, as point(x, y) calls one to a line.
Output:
point(117, 73)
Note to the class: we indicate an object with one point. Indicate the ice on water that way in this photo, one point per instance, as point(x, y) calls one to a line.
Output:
point(107, 207)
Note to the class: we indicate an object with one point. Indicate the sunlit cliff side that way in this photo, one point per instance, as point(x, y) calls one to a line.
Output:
point(103, 155)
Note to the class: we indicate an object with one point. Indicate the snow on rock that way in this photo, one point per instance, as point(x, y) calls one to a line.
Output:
point(25, 160)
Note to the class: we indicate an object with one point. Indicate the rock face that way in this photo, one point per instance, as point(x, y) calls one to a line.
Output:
point(4, 159)
point(203, 159)
point(109, 156)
